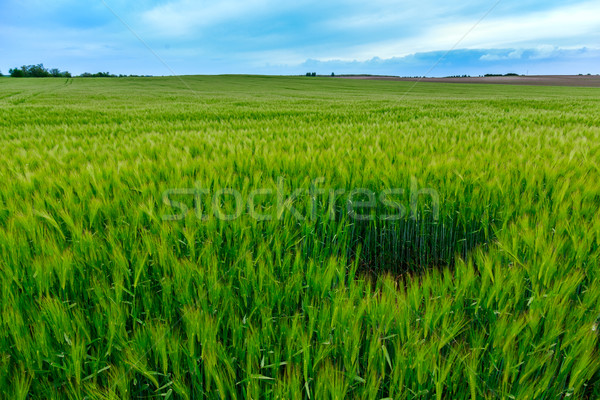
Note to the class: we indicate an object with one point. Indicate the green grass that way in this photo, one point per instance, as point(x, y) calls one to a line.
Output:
point(100, 298)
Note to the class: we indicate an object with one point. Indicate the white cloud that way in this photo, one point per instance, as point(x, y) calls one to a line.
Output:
point(513, 55)
point(458, 62)
point(411, 30)
point(573, 25)
point(185, 17)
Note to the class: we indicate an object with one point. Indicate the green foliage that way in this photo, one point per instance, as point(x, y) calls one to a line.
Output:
point(101, 298)
point(16, 72)
point(56, 73)
point(37, 71)
point(508, 74)
point(97, 75)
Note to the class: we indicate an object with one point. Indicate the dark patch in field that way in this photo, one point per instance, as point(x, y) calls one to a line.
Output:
point(531, 80)
point(415, 245)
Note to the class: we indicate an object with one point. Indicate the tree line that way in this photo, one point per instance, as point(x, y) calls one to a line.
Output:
point(39, 71)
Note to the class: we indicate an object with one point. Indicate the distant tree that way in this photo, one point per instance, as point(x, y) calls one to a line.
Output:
point(37, 71)
point(98, 75)
point(1, 73)
point(332, 74)
point(16, 73)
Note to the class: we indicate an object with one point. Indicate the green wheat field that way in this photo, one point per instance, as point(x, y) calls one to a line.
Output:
point(177, 238)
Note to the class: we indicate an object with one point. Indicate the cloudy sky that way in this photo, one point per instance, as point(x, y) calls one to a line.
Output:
point(406, 38)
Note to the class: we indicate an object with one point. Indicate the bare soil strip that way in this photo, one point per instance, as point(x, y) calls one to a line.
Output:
point(533, 80)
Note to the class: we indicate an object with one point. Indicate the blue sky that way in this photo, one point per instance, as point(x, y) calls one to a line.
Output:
point(403, 38)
